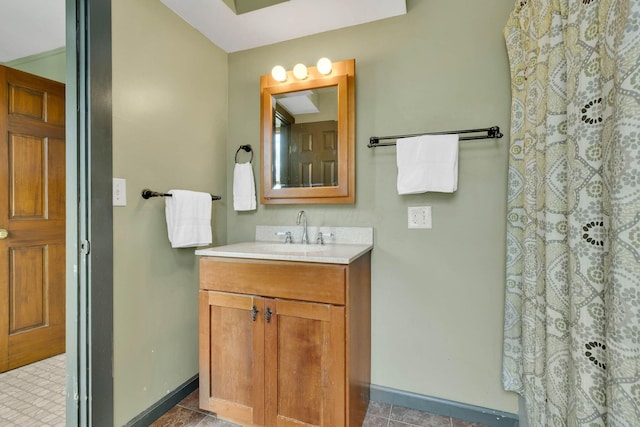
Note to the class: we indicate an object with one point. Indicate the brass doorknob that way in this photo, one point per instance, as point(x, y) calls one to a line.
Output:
point(3, 233)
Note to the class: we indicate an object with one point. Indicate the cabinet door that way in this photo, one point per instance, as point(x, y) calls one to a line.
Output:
point(232, 356)
point(304, 364)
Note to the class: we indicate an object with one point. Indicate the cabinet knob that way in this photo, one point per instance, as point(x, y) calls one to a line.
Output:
point(267, 315)
point(3, 233)
point(254, 313)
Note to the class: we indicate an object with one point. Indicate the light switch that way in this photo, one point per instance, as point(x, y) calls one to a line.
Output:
point(119, 192)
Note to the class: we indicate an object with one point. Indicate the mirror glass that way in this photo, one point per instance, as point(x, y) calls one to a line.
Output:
point(305, 138)
point(308, 137)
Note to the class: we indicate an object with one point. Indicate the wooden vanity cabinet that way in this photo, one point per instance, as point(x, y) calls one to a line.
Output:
point(285, 343)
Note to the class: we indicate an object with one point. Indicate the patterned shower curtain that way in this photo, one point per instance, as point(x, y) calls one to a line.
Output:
point(572, 309)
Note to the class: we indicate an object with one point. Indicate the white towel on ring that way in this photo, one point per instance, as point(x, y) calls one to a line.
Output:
point(427, 163)
point(244, 187)
point(188, 218)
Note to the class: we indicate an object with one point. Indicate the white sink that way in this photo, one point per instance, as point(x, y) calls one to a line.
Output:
point(342, 245)
point(328, 253)
point(289, 248)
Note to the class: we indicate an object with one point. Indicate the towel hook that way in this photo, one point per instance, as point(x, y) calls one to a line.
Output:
point(246, 148)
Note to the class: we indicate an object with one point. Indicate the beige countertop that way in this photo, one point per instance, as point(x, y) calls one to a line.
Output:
point(342, 245)
point(332, 253)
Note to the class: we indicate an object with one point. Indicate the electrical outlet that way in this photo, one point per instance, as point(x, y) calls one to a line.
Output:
point(419, 216)
point(119, 192)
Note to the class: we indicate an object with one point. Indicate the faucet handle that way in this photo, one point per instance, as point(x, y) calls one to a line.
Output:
point(321, 236)
point(287, 235)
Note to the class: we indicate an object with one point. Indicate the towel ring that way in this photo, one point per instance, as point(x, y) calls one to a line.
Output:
point(246, 148)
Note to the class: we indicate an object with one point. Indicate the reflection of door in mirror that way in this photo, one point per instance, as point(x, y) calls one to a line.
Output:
point(313, 158)
point(305, 138)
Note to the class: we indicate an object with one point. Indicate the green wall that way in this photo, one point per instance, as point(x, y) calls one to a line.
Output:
point(51, 64)
point(181, 107)
point(169, 131)
point(437, 294)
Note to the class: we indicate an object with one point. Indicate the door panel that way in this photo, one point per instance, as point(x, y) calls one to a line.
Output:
point(231, 363)
point(27, 291)
point(32, 210)
point(304, 353)
point(27, 176)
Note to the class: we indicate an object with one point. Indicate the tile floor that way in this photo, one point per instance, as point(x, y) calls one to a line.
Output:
point(34, 395)
point(187, 414)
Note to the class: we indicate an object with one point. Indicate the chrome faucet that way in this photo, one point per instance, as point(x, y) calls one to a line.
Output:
point(305, 236)
point(286, 234)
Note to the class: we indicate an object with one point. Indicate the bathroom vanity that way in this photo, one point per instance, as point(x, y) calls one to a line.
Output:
point(285, 333)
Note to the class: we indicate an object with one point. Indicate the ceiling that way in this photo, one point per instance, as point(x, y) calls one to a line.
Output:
point(28, 27)
point(283, 21)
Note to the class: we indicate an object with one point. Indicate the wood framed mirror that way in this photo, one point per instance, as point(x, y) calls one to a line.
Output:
point(308, 137)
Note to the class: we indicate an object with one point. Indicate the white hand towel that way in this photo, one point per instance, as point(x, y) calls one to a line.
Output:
point(188, 218)
point(427, 163)
point(244, 188)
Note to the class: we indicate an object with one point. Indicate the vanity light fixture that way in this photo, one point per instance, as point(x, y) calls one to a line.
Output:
point(300, 71)
point(324, 66)
point(279, 73)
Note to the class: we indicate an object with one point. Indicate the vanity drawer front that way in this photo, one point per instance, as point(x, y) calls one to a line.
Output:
point(277, 279)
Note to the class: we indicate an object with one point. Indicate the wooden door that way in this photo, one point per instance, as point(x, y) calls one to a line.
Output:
point(313, 154)
point(32, 211)
point(304, 364)
point(231, 356)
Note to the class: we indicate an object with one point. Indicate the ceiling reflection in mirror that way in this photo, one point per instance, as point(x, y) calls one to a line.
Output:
point(305, 138)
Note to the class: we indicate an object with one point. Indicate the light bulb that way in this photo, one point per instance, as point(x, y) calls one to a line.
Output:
point(300, 71)
point(279, 73)
point(324, 66)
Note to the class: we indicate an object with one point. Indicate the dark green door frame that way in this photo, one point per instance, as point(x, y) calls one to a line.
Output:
point(89, 215)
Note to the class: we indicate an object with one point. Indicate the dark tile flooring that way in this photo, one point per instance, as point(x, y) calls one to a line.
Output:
point(187, 414)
